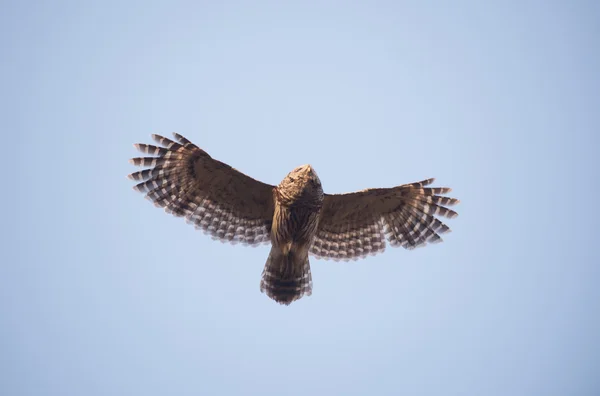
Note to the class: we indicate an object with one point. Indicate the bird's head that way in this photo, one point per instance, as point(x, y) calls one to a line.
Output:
point(302, 182)
point(306, 174)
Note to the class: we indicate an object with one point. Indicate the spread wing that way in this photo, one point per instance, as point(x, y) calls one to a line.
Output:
point(357, 224)
point(212, 195)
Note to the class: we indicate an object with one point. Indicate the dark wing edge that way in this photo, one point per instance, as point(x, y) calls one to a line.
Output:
point(214, 197)
point(356, 225)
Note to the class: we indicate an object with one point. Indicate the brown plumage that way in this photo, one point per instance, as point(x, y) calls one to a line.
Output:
point(296, 217)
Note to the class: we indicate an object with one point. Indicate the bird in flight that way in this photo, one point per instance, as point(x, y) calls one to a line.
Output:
point(295, 217)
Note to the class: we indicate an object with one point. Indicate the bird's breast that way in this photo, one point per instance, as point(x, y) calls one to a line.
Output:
point(294, 224)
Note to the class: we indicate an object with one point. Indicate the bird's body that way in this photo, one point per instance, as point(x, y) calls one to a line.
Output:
point(298, 202)
point(295, 217)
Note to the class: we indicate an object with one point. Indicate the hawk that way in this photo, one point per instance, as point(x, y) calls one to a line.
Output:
point(295, 217)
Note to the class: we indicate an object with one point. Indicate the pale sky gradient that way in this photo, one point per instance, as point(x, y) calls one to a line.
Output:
point(103, 294)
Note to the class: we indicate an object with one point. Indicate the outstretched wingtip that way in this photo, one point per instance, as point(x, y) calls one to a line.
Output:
point(451, 214)
point(420, 184)
point(183, 140)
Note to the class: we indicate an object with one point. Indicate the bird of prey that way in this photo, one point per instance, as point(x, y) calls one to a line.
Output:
point(295, 217)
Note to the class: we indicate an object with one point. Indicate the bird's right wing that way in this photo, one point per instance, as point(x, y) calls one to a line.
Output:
point(356, 224)
point(212, 195)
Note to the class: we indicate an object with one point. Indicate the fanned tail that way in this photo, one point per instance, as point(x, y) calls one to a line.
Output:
point(286, 277)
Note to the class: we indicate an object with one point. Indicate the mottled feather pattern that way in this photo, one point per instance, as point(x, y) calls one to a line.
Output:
point(413, 223)
point(225, 226)
point(295, 217)
point(350, 243)
point(409, 224)
point(172, 183)
point(284, 282)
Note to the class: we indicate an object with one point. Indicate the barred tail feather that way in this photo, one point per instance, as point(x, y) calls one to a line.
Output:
point(286, 277)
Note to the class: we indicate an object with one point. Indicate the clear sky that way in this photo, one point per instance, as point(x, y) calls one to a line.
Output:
point(103, 294)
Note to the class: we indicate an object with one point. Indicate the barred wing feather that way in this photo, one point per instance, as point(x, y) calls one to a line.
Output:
point(186, 181)
point(357, 224)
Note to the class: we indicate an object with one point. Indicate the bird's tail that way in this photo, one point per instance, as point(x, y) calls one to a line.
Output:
point(286, 277)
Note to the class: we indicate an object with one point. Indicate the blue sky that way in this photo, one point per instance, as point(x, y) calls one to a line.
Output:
point(103, 294)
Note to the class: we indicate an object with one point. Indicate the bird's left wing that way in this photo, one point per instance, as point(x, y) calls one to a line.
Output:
point(357, 224)
point(215, 197)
